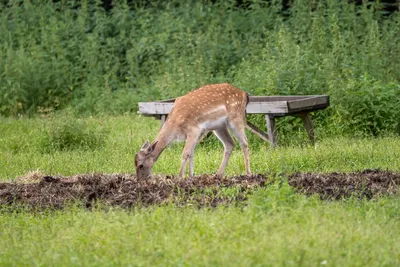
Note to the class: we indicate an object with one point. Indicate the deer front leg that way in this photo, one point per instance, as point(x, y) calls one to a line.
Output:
point(188, 154)
point(245, 149)
point(237, 128)
point(226, 139)
point(191, 165)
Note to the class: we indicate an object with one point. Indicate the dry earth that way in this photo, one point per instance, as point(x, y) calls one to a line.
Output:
point(39, 191)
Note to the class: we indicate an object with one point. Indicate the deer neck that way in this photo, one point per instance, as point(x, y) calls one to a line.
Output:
point(164, 138)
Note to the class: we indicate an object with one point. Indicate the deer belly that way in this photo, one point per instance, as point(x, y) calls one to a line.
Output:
point(213, 124)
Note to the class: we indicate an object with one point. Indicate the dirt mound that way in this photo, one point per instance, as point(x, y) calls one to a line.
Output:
point(367, 183)
point(125, 190)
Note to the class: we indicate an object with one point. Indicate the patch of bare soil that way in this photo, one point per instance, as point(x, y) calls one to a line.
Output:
point(125, 190)
point(367, 183)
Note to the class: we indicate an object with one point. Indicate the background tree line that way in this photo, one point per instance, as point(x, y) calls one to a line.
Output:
point(100, 58)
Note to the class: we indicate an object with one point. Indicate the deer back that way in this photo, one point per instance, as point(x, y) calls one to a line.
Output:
point(208, 107)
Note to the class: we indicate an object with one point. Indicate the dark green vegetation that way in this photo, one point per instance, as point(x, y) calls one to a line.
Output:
point(76, 54)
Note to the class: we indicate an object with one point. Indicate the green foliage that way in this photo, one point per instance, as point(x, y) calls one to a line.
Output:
point(330, 50)
point(71, 134)
point(57, 55)
point(368, 107)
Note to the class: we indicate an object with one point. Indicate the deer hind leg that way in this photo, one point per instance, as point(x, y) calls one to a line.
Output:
point(228, 142)
point(188, 154)
point(237, 127)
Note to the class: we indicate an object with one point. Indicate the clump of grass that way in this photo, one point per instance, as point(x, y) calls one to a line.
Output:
point(276, 196)
point(67, 135)
point(30, 177)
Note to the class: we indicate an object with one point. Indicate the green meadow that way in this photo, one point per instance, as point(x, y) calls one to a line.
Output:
point(72, 73)
point(67, 145)
point(275, 226)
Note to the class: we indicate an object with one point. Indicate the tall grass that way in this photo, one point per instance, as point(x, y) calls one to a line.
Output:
point(107, 144)
point(273, 231)
point(76, 54)
point(276, 226)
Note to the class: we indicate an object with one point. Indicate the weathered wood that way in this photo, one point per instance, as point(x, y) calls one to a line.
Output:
point(308, 125)
point(252, 107)
point(271, 106)
point(276, 105)
point(276, 98)
point(271, 129)
point(312, 101)
point(163, 118)
point(171, 100)
point(267, 107)
point(155, 107)
point(254, 129)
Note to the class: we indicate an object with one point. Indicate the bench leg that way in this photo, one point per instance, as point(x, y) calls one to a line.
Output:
point(163, 118)
point(271, 129)
point(254, 129)
point(308, 125)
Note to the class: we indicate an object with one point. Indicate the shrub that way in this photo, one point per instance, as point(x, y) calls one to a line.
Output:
point(74, 53)
point(368, 107)
point(71, 134)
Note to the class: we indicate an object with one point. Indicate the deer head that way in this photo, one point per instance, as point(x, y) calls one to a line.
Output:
point(144, 160)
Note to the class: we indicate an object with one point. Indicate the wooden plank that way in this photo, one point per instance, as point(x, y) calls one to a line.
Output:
point(254, 129)
point(259, 98)
point(308, 102)
point(271, 106)
point(276, 98)
point(257, 105)
point(155, 107)
point(252, 108)
point(172, 100)
point(267, 107)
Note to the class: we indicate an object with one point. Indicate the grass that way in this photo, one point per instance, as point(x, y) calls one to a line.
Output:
point(276, 227)
point(21, 150)
point(304, 232)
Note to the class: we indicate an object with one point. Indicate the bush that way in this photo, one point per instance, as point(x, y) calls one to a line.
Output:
point(69, 53)
point(368, 107)
point(70, 134)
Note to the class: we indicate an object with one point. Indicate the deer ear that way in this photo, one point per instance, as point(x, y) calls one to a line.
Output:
point(145, 145)
point(152, 147)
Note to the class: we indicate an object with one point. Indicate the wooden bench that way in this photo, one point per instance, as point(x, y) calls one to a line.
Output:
point(271, 106)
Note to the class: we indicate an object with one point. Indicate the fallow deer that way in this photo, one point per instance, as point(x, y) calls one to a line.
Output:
point(214, 107)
